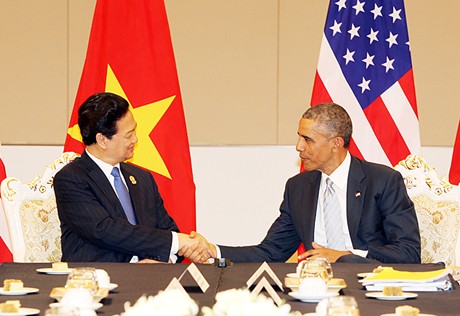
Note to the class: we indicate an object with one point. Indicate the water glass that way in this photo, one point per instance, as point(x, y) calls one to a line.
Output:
point(342, 306)
point(314, 269)
point(62, 311)
point(85, 278)
point(327, 263)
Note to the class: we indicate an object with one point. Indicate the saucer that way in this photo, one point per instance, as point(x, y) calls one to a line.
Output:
point(51, 271)
point(380, 296)
point(365, 274)
point(333, 285)
point(110, 286)
point(23, 311)
point(311, 298)
point(23, 291)
point(58, 292)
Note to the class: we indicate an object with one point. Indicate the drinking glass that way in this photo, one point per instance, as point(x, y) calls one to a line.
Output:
point(62, 311)
point(342, 306)
point(327, 263)
point(85, 278)
point(314, 269)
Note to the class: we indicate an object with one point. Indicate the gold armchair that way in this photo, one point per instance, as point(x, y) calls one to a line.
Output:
point(437, 204)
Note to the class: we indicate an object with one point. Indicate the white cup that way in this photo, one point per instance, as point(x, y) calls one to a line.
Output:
point(103, 278)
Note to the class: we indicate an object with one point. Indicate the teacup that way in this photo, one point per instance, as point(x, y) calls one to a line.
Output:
point(103, 278)
point(313, 286)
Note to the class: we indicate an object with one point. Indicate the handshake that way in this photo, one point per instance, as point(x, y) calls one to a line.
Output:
point(195, 247)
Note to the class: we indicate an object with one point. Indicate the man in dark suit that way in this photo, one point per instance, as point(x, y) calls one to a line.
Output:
point(377, 220)
point(110, 210)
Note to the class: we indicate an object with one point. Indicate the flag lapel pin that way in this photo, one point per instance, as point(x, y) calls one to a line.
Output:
point(132, 179)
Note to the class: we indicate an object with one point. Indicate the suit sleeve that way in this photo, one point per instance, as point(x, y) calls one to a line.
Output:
point(399, 223)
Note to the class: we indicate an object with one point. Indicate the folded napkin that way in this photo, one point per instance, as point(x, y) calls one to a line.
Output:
point(429, 281)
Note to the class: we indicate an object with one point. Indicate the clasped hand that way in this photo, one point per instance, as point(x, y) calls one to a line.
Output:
point(195, 247)
point(319, 251)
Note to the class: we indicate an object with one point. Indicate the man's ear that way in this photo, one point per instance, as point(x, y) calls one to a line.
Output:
point(101, 140)
point(338, 142)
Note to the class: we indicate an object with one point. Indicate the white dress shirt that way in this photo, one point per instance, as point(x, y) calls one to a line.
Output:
point(340, 179)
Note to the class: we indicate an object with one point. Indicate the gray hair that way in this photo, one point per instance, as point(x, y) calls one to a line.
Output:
point(332, 120)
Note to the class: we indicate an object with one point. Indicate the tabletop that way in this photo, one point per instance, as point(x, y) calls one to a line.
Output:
point(135, 280)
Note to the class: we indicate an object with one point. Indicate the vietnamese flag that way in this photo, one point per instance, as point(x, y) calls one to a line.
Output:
point(130, 53)
point(454, 173)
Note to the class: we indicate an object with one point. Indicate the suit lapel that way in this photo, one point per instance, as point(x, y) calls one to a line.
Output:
point(356, 191)
point(101, 181)
point(308, 215)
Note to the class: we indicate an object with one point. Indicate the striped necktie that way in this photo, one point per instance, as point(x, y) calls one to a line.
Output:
point(332, 218)
point(123, 196)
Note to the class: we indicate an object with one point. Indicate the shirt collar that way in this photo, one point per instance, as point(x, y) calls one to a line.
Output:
point(105, 167)
point(340, 175)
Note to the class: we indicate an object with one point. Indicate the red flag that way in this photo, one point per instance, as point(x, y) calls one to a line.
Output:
point(130, 53)
point(365, 66)
point(5, 253)
point(454, 173)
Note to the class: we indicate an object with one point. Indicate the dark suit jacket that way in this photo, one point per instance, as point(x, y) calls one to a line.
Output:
point(381, 218)
point(93, 223)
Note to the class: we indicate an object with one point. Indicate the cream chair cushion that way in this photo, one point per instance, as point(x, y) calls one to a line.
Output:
point(437, 204)
point(32, 216)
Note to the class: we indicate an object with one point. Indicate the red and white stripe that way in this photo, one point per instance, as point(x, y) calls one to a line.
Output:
point(397, 133)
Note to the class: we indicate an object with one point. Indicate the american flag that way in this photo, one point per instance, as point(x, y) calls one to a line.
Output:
point(365, 66)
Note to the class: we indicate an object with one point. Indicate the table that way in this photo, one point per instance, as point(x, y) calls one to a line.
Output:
point(135, 280)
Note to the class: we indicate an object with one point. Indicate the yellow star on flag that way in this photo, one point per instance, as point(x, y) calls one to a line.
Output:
point(147, 117)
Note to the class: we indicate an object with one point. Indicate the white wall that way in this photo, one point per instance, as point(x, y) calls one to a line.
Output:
point(238, 188)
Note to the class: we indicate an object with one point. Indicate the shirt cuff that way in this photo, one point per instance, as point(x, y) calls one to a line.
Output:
point(174, 247)
point(218, 254)
point(358, 252)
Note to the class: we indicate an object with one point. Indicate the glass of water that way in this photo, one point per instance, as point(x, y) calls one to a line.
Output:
point(85, 278)
point(62, 311)
point(342, 306)
point(327, 264)
point(314, 269)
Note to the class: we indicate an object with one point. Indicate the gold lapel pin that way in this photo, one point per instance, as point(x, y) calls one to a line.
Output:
point(132, 179)
point(357, 194)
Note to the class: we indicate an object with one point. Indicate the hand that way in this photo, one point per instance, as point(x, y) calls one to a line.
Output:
point(211, 247)
point(320, 251)
point(195, 247)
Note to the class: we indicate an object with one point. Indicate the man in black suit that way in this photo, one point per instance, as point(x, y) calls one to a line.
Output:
point(89, 194)
point(377, 220)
